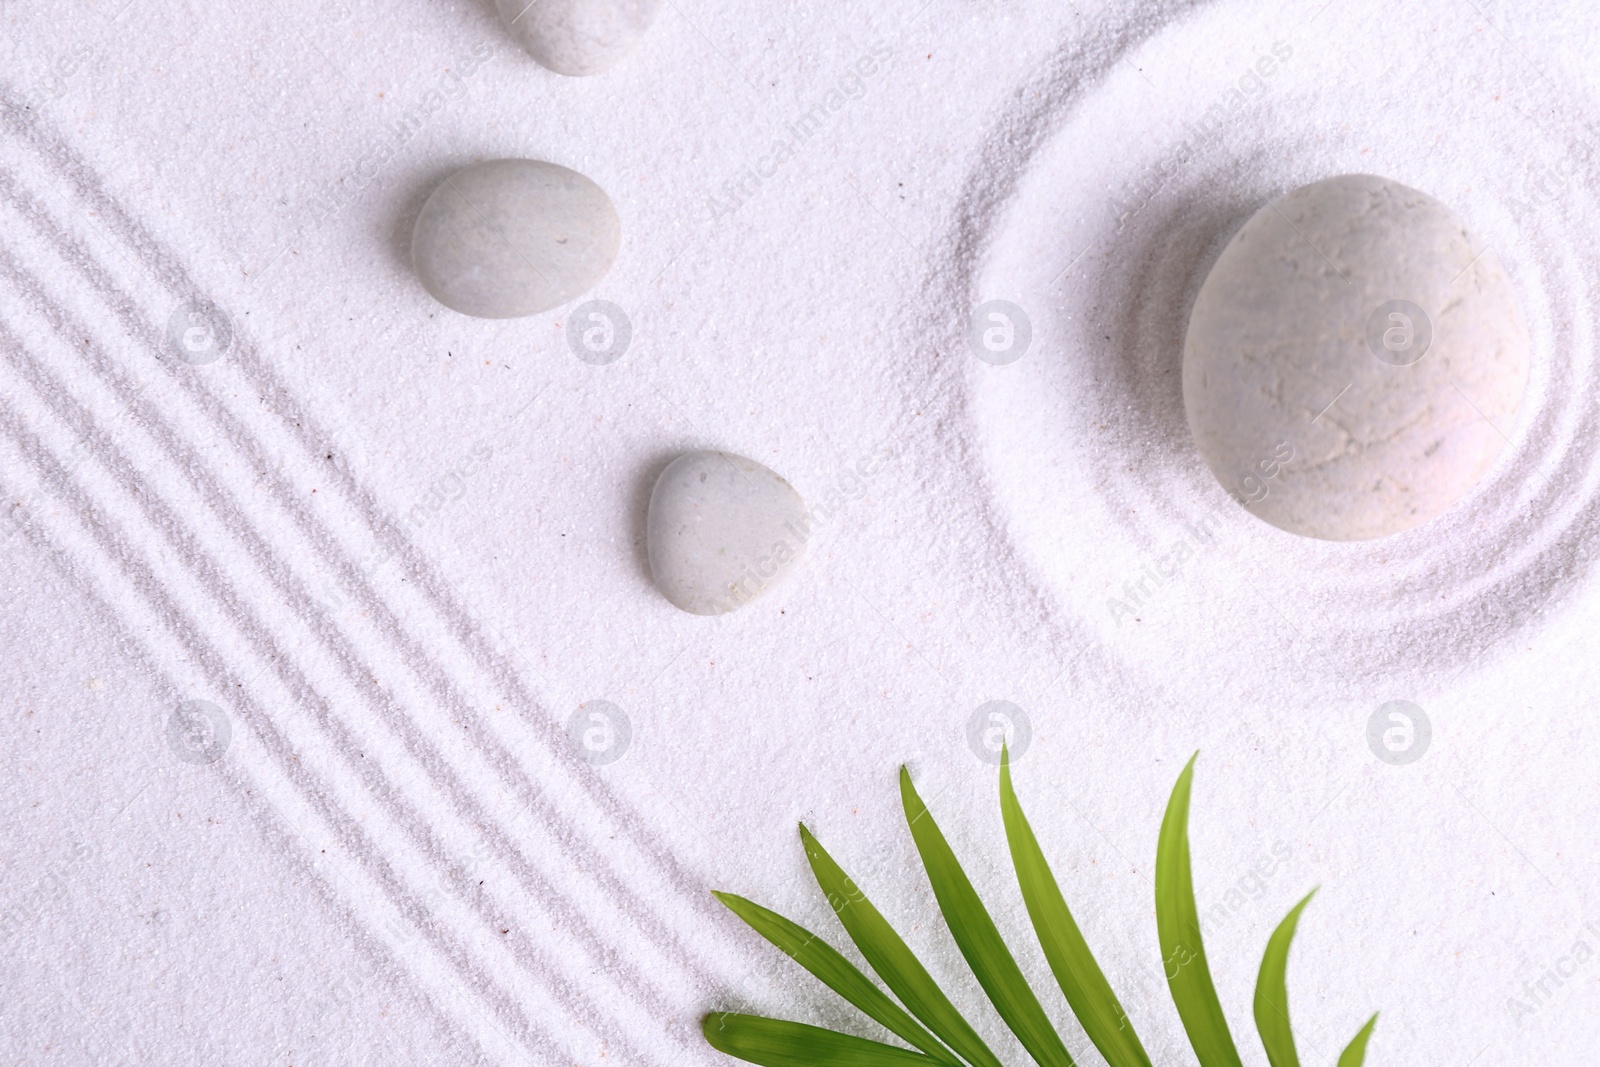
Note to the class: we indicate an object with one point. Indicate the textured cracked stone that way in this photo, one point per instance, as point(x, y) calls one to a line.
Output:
point(1355, 360)
point(722, 530)
point(578, 37)
point(514, 237)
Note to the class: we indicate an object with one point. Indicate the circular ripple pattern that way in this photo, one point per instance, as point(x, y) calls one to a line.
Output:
point(1126, 195)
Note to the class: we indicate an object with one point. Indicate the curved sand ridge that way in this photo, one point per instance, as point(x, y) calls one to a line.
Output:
point(1115, 197)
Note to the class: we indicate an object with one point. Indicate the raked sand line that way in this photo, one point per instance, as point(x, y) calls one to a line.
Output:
point(424, 838)
point(461, 625)
point(512, 853)
point(296, 422)
point(253, 792)
point(953, 287)
point(443, 600)
point(540, 895)
point(283, 838)
point(114, 545)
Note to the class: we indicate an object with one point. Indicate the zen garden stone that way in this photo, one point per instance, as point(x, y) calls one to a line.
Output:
point(722, 530)
point(514, 237)
point(578, 37)
point(1355, 360)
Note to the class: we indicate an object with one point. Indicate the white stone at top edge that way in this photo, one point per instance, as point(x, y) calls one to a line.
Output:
point(722, 530)
point(578, 37)
point(1312, 402)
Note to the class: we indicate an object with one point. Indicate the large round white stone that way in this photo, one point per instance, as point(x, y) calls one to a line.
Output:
point(1355, 360)
point(722, 530)
point(578, 36)
point(514, 237)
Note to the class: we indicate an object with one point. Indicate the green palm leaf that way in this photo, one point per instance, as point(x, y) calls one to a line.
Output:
point(1178, 924)
point(1081, 979)
point(977, 937)
point(1272, 992)
point(777, 1043)
point(900, 970)
point(837, 973)
point(1356, 1050)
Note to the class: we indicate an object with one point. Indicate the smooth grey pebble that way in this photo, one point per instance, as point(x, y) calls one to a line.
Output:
point(1355, 360)
point(578, 37)
point(722, 530)
point(514, 237)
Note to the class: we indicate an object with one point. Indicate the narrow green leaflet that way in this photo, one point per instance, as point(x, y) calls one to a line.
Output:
point(776, 1043)
point(837, 973)
point(900, 970)
point(1272, 992)
point(1080, 977)
point(977, 937)
point(1356, 1050)
point(1178, 924)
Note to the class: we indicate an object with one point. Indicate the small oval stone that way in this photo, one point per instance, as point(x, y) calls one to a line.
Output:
point(1355, 360)
point(578, 37)
point(513, 237)
point(722, 530)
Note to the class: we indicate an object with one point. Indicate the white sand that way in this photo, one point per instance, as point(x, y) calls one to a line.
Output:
point(399, 547)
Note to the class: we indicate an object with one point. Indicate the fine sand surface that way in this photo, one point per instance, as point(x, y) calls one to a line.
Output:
point(475, 776)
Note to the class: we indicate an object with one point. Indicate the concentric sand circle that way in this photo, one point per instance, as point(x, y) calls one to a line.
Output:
point(1127, 195)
